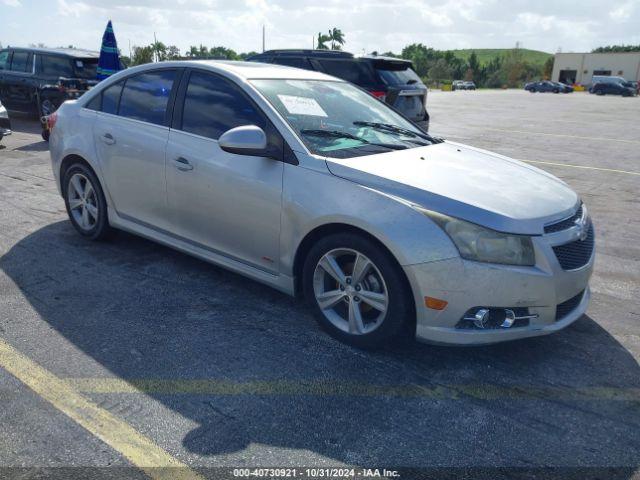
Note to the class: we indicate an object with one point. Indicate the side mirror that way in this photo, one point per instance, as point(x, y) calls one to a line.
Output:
point(244, 140)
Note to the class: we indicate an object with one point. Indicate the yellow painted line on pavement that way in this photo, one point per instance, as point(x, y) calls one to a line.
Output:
point(137, 448)
point(626, 172)
point(343, 388)
point(561, 135)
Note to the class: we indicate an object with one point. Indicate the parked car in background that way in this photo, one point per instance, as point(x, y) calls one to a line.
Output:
point(391, 80)
point(38, 80)
point(606, 79)
point(564, 88)
point(543, 86)
point(469, 85)
point(457, 85)
point(613, 88)
point(5, 123)
point(309, 184)
point(634, 85)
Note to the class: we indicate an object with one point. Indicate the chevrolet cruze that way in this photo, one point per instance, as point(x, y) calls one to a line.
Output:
point(313, 186)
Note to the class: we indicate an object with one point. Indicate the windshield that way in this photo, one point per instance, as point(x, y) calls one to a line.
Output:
point(339, 120)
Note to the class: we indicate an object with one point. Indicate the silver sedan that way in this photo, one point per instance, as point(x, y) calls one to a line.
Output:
point(309, 184)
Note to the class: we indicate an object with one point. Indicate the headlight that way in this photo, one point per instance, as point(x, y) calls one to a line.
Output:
point(484, 245)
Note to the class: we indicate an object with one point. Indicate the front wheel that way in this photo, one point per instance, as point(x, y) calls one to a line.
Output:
point(85, 202)
point(47, 106)
point(358, 292)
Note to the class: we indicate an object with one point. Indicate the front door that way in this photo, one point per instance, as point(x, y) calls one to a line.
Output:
point(227, 203)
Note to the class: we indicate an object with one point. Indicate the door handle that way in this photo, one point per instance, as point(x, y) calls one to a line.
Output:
point(182, 164)
point(108, 139)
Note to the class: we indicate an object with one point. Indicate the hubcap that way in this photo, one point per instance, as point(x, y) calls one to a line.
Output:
point(83, 203)
point(350, 291)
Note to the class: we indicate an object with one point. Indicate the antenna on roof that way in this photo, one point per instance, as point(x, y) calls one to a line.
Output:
point(263, 42)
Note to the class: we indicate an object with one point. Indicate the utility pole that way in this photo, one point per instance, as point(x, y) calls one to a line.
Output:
point(155, 41)
point(263, 40)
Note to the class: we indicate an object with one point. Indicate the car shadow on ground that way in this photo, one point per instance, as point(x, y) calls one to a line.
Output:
point(147, 312)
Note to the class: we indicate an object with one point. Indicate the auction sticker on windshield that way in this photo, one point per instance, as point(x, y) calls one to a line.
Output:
point(302, 105)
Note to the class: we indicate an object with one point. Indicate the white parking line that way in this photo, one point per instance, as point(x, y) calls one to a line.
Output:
point(581, 166)
point(562, 135)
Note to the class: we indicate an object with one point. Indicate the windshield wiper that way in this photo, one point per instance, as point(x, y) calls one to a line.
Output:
point(388, 127)
point(339, 134)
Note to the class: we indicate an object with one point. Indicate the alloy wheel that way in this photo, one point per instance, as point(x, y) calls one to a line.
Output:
point(350, 291)
point(83, 202)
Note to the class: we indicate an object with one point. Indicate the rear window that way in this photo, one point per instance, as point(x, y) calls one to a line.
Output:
point(4, 60)
point(85, 68)
point(20, 62)
point(56, 66)
point(145, 96)
point(398, 74)
point(354, 71)
point(297, 62)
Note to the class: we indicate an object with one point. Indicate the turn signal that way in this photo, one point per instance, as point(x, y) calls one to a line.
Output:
point(435, 303)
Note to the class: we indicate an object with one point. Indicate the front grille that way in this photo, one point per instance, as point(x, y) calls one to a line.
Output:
point(566, 223)
point(565, 308)
point(576, 254)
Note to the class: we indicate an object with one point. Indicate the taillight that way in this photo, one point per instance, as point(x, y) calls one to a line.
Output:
point(51, 120)
point(379, 94)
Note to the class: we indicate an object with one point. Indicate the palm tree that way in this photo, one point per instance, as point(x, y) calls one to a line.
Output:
point(322, 39)
point(337, 38)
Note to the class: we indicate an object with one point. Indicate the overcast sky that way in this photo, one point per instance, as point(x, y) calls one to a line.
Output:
point(368, 24)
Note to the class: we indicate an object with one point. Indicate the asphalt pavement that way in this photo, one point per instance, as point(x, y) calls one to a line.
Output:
point(128, 359)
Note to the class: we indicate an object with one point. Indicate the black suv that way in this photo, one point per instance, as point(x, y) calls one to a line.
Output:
point(392, 80)
point(38, 80)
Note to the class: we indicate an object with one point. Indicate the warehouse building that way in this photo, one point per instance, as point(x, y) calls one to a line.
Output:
point(580, 67)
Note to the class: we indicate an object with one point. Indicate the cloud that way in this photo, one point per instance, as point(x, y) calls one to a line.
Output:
point(369, 25)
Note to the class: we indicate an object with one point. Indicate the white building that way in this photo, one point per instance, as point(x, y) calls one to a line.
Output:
point(580, 67)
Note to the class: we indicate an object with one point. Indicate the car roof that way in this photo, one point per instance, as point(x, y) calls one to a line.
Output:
point(306, 53)
point(242, 70)
point(69, 52)
point(382, 57)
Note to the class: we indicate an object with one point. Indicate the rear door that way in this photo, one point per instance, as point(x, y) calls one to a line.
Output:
point(130, 134)
point(18, 83)
point(227, 203)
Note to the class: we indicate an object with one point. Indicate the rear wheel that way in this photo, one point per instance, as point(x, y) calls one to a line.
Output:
point(598, 92)
point(85, 202)
point(358, 292)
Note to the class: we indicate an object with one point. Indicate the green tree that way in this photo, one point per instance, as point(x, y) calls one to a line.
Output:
point(159, 51)
point(547, 69)
point(142, 55)
point(474, 65)
point(440, 70)
point(337, 38)
point(322, 41)
point(173, 52)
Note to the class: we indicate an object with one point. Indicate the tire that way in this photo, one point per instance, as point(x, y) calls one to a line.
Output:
point(556, 90)
point(598, 92)
point(96, 226)
point(45, 134)
point(46, 106)
point(383, 278)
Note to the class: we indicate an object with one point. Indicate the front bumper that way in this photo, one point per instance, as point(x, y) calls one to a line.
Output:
point(466, 285)
point(5, 127)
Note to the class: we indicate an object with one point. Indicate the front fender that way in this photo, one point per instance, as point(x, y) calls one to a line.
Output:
point(409, 235)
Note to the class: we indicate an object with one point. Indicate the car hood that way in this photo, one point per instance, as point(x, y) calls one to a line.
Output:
point(465, 182)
